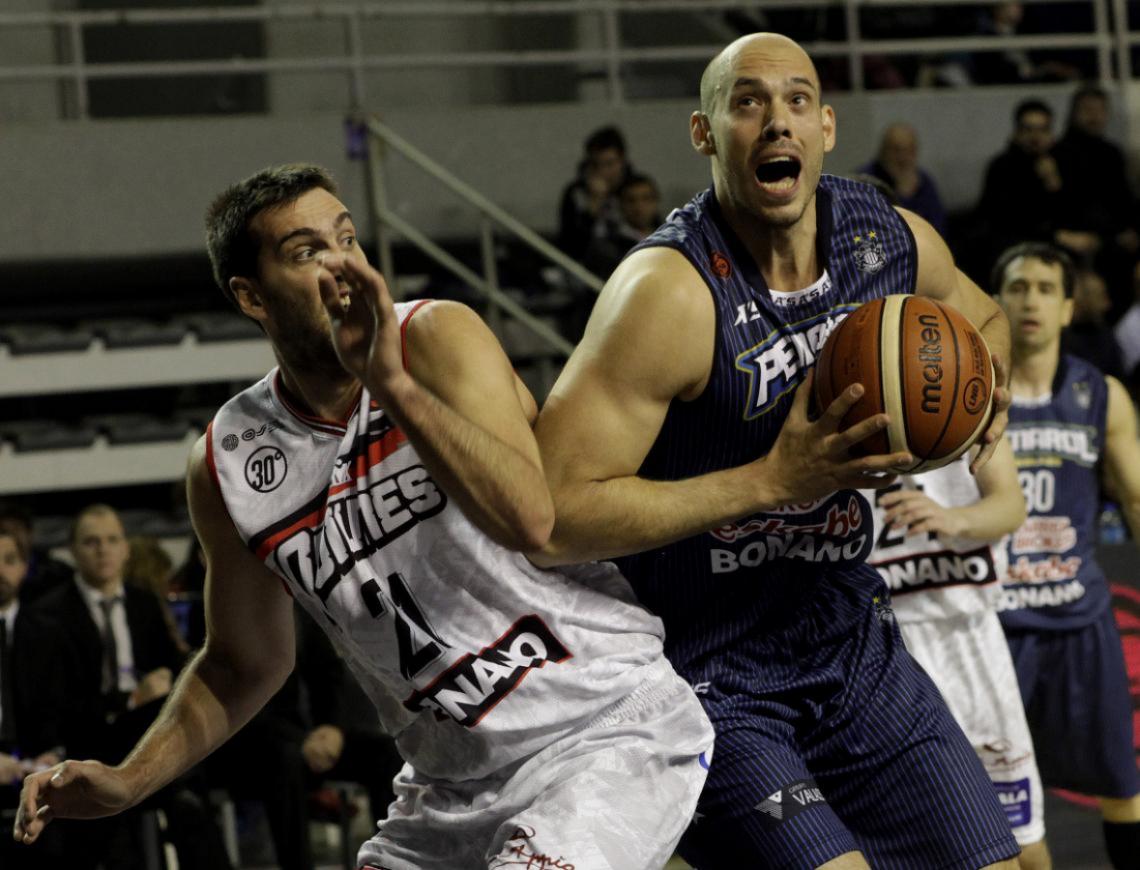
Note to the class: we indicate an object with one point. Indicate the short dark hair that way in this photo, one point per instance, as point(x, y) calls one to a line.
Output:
point(232, 247)
point(12, 512)
point(1043, 251)
point(1027, 106)
point(1089, 89)
point(605, 138)
point(634, 179)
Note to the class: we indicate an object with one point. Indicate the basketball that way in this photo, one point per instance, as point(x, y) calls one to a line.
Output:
point(920, 362)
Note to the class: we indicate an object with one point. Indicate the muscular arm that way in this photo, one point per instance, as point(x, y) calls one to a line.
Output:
point(650, 341)
point(1122, 454)
point(940, 279)
point(248, 654)
point(458, 401)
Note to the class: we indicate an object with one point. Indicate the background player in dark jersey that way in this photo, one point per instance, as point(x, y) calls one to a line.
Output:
point(676, 433)
point(1073, 431)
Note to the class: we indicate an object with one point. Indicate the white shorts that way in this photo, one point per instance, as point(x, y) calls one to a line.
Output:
point(616, 795)
point(969, 661)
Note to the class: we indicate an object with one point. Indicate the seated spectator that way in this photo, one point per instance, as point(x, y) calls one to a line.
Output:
point(1098, 191)
point(1089, 336)
point(1023, 196)
point(20, 751)
point(149, 568)
point(112, 664)
point(320, 726)
point(1012, 65)
point(639, 206)
point(897, 165)
point(590, 200)
point(44, 572)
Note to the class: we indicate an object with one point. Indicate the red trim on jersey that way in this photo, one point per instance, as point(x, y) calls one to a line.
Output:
point(210, 455)
point(404, 329)
point(377, 452)
point(329, 427)
point(306, 522)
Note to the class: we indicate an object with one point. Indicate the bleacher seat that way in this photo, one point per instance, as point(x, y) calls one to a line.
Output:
point(25, 338)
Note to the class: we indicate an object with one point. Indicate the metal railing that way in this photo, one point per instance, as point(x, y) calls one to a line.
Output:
point(1110, 39)
point(383, 138)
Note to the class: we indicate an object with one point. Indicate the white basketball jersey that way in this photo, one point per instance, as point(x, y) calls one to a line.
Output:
point(473, 657)
point(932, 577)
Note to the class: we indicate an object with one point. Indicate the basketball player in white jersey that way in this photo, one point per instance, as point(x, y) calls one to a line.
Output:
point(940, 547)
point(384, 474)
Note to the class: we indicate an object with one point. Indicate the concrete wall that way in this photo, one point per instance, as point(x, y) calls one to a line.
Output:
point(124, 188)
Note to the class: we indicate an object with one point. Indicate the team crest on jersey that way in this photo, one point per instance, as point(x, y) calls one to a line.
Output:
point(474, 684)
point(777, 364)
point(719, 264)
point(1082, 394)
point(869, 256)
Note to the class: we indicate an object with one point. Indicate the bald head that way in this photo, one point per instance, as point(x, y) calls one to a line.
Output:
point(774, 47)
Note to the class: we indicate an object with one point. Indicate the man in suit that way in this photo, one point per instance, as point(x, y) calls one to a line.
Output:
point(22, 751)
point(113, 665)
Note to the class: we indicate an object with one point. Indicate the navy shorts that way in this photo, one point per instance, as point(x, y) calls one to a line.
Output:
point(837, 746)
point(1075, 688)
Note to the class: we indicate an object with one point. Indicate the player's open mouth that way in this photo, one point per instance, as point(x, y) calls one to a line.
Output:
point(778, 174)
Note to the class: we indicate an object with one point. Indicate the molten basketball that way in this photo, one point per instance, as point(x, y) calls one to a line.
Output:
point(923, 364)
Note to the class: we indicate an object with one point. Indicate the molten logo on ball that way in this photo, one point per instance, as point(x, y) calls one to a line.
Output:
point(930, 354)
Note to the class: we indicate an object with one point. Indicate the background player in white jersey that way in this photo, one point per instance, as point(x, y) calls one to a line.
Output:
point(939, 546)
point(1073, 434)
point(389, 478)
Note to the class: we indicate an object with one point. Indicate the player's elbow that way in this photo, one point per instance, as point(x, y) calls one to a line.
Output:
point(528, 528)
point(1015, 514)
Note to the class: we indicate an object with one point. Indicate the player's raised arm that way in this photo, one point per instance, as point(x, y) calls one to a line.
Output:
point(248, 654)
point(1122, 454)
point(458, 401)
point(940, 279)
point(650, 342)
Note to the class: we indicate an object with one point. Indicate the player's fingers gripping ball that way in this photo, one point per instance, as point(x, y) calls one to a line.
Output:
point(920, 362)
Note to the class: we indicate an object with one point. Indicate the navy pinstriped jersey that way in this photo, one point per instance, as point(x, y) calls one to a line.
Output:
point(717, 587)
point(1054, 581)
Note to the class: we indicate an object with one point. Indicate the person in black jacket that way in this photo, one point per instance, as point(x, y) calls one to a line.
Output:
point(113, 662)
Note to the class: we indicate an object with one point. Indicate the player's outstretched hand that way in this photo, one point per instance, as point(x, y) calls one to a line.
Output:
point(810, 459)
point(70, 790)
point(1003, 398)
point(366, 332)
point(917, 513)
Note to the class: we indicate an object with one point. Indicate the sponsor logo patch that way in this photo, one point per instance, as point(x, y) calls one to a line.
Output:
point(1015, 800)
point(788, 802)
point(474, 684)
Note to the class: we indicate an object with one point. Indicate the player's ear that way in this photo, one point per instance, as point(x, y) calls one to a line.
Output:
point(828, 127)
point(247, 294)
point(1067, 311)
point(700, 132)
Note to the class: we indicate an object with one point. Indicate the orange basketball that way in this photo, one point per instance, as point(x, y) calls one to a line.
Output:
point(922, 363)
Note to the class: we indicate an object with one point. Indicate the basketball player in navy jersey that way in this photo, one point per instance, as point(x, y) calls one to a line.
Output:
point(677, 439)
point(1073, 432)
point(386, 479)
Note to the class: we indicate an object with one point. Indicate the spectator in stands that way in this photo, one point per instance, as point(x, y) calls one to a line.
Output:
point(639, 205)
point(1098, 191)
point(149, 568)
point(1088, 335)
point(1012, 65)
point(112, 663)
point(44, 572)
point(20, 751)
point(590, 200)
point(897, 165)
point(320, 726)
point(1023, 197)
